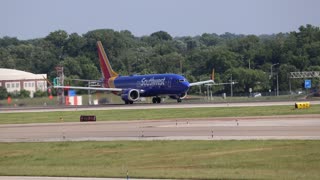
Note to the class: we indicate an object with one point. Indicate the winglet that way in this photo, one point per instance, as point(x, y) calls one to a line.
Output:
point(212, 75)
point(107, 71)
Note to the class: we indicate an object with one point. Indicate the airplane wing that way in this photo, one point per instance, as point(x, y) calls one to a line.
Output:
point(201, 82)
point(88, 88)
point(211, 81)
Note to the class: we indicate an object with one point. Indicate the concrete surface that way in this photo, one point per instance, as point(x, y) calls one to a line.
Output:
point(271, 127)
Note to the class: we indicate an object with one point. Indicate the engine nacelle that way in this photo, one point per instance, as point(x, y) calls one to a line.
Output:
point(180, 96)
point(130, 95)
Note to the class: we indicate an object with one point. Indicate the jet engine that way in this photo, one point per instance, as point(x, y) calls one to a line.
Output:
point(130, 95)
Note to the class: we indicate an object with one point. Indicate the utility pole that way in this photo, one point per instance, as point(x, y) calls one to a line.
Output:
point(60, 82)
point(277, 84)
point(89, 94)
point(271, 75)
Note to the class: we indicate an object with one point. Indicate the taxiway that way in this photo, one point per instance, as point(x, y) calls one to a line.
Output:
point(147, 106)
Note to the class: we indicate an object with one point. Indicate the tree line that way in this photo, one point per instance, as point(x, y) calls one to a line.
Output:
point(247, 58)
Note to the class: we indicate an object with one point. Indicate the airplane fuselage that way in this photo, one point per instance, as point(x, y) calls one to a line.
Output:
point(152, 84)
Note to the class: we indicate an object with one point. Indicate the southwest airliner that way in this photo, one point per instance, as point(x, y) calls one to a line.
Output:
point(132, 88)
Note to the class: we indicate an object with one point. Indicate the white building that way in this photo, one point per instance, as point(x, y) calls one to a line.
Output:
point(15, 80)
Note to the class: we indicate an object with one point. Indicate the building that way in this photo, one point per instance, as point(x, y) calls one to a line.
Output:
point(15, 80)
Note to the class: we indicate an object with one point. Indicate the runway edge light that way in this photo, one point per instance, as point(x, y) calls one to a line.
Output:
point(302, 105)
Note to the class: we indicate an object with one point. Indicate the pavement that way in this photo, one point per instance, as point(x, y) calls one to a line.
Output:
point(243, 128)
point(146, 106)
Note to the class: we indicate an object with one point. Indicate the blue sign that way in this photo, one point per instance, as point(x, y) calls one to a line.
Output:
point(307, 84)
point(72, 93)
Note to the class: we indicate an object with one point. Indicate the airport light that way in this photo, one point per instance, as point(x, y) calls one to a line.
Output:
point(231, 83)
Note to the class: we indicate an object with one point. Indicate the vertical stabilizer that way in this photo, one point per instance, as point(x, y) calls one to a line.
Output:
point(105, 66)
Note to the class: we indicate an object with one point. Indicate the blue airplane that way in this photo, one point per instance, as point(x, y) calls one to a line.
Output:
point(132, 88)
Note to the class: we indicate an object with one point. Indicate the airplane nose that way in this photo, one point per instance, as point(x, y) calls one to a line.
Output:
point(185, 85)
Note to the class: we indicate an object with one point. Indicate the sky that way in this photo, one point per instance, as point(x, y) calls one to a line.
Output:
point(29, 19)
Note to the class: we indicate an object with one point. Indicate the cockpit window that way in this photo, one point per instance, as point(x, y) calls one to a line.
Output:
point(182, 80)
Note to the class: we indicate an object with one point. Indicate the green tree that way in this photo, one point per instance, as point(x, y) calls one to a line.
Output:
point(58, 38)
point(9, 41)
point(72, 66)
point(169, 63)
point(313, 51)
point(3, 93)
point(90, 71)
point(249, 78)
point(74, 44)
point(161, 35)
point(209, 39)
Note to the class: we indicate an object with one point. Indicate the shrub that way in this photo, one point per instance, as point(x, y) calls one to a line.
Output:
point(3, 93)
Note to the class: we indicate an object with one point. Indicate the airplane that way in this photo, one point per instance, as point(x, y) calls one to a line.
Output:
point(132, 88)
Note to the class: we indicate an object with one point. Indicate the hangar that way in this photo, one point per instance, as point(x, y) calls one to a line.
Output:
point(15, 80)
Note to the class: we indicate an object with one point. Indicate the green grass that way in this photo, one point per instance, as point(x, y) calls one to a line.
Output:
point(153, 114)
point(291, 159)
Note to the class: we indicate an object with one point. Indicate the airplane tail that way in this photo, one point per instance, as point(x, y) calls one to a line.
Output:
point(107, 71)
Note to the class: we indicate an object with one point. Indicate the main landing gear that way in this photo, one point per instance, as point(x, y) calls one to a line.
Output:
point(128, 102)
point(156, 100)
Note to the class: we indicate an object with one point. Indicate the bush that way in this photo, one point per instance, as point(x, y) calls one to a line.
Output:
point(14, 94)
point(40, 94)
point(24, 93)
point(3, 93)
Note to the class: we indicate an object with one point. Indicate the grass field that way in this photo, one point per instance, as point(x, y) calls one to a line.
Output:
point(165, 159)
point(151, 114)
point(286, 159)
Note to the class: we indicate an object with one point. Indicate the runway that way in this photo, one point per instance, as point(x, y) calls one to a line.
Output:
point(272, 127)
point(60, 178)
point(146, 106)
